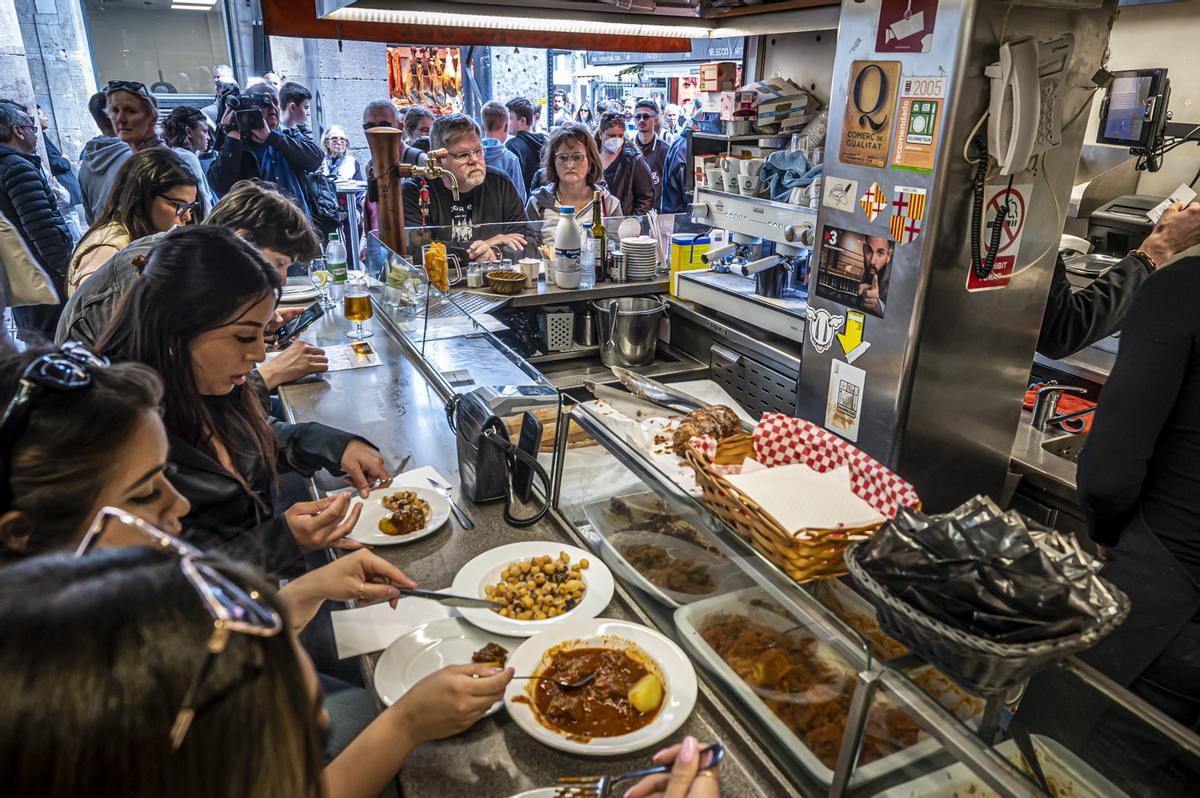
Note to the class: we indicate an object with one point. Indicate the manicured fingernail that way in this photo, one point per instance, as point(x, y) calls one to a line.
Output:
point(393, 593)
point(687, 753)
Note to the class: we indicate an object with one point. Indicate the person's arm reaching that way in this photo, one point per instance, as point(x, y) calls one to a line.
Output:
point(1138, 398)
point(1077, 319)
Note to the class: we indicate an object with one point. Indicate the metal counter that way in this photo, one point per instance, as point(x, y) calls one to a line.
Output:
point(396, 408)
point(1042, 468)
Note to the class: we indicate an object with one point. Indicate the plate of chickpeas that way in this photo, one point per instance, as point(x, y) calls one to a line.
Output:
point(538, 584)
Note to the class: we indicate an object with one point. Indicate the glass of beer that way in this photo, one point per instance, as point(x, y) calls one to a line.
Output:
point(356, 305)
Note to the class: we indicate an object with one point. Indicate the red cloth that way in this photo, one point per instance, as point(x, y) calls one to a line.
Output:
point(1067, 403)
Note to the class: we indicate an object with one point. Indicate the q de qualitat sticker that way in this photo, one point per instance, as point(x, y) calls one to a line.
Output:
point(870, 113)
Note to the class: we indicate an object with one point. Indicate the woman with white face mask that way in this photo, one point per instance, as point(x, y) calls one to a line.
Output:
point(625, 170)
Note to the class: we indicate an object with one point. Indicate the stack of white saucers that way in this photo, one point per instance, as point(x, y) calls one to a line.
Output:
point(641, 257)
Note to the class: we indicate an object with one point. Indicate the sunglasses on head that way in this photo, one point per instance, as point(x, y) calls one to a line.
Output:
point(128, 85)
point(231, 606)
point(68, 369)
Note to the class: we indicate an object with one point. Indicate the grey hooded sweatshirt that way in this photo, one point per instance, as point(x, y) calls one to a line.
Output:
point(99, 163)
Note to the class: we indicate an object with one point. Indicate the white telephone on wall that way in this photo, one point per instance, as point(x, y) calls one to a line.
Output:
point(1024, 115)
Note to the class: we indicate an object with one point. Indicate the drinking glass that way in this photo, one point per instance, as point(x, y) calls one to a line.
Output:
point(356, 306)
point(318, 275)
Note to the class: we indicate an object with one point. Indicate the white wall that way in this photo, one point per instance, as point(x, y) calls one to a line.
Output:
point(1162, 36)
point(806, 58)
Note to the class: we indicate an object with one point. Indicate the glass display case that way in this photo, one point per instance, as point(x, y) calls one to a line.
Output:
point(836, 703)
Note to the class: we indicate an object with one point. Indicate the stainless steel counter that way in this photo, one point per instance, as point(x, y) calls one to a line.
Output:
point(1041, 467)
point(394, 406)
point(547, 293)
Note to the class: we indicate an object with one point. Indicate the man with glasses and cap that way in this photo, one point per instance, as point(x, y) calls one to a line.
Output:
point(28, 203)
point(484, 198)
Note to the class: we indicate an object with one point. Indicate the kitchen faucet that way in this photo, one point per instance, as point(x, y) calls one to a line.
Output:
point(1047, 404)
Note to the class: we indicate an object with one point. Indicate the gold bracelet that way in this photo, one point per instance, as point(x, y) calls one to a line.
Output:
point(1145, 258)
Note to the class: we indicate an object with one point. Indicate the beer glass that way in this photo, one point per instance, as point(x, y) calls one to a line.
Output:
point(356, 305)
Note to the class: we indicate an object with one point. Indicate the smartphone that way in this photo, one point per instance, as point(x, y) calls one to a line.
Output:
point(529, 442)
point(250, 119)
point(289, 331)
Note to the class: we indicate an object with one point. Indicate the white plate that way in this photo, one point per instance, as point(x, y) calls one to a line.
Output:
point(629, 228)
point(429, 648)
point(367, 528)
point(674, 669)
point(540, 792)
point(485, 570)
point(298, 293)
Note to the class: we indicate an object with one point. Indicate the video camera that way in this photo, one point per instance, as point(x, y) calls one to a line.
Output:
point(247, 108)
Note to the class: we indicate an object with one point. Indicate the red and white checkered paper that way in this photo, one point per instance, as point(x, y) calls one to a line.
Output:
point(782, 440)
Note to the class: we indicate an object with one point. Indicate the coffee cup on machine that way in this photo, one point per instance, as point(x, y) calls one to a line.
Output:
point(749, 185)
point(716, 178)
point(731, 180)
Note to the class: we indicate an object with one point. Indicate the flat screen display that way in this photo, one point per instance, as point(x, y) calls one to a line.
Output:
point(1132, 108)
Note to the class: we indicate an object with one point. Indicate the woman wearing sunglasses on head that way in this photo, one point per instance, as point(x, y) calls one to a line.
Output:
point(573, 174)
point(132, 112)
point(196, 316)
point(153, 192)
point(152, 698)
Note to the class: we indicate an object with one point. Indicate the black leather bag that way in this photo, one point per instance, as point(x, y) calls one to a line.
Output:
point(324, 211)
point(486, 455)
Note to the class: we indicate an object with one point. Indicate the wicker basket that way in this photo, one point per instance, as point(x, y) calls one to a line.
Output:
point(817, 555)
point(506, 282)
point(980, 665)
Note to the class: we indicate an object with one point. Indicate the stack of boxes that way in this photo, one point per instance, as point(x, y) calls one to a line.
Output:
point(775, 105)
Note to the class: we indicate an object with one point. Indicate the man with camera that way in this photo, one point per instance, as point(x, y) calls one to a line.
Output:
point(251, 144)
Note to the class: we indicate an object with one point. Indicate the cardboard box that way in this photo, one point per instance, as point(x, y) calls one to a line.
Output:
point(718, 76)
point(773, 88)
point(778, 108)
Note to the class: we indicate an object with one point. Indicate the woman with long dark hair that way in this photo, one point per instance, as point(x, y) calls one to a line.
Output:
point(150, 700)
point(153, 192)
point(196, 316)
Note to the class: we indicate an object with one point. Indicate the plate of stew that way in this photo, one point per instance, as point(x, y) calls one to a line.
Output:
point(643, 690)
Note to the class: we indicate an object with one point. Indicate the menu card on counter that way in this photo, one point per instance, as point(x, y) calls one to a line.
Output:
point(357, 355)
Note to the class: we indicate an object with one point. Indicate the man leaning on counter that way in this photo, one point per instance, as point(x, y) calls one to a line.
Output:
point(484, 198)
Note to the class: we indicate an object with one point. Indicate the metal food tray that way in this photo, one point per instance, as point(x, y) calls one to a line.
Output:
point(726, 575)
point(1066, 772)
point(688, 622)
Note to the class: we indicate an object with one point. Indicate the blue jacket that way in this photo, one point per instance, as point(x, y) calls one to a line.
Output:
point(500, 159)
point(675, 198)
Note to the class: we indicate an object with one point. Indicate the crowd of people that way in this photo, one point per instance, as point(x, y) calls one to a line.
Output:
point(143, 474)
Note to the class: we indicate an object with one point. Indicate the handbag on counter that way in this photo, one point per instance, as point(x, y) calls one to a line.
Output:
point(486, 456)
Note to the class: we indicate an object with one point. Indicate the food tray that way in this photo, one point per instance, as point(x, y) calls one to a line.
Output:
point(1067, 774)
point(610, 536)
point(688, 622)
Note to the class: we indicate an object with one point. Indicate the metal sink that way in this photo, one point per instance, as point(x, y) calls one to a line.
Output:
point(1067, 447)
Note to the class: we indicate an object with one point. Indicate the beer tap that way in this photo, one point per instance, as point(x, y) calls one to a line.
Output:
point(383, 186)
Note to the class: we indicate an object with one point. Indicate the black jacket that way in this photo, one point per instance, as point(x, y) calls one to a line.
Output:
point(655, 154)
point(629, 180)
point(27, 201)
point(248, 525)
point(234, 161)
point(490, 208)
point(62, 170)
point(528, 147)
point(1077, 319)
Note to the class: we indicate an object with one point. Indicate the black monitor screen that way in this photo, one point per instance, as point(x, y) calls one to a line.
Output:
point(1127, 108)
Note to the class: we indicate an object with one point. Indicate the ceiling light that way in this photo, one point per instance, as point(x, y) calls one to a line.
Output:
point(510, 19)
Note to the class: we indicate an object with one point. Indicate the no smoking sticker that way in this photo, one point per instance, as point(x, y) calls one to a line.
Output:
point(1010, 206)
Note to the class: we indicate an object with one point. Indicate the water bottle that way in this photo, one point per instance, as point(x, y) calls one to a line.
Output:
point(335, 256)
point(587, 258)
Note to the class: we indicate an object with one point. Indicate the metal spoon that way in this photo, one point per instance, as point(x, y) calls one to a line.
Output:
point(565, 685)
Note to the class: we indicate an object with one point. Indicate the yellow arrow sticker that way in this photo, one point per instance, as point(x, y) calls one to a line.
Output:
point(852, 339)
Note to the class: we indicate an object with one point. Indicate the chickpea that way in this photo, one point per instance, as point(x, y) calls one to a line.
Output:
point(583, 563)
point(525, 567)
point(539, 580)
point(539, 616)
point(548, 568)
point(524, 616)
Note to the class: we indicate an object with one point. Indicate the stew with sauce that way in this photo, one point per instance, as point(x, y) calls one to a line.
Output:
point(600, 708)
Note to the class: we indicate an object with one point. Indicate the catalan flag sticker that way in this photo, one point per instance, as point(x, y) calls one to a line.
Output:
point(908, 214)
point(873, 202)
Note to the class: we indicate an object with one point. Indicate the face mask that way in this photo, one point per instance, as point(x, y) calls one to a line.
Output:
point(613, 145)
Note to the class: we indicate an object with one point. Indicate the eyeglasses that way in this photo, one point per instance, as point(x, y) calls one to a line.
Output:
point(463, 157)
point(574, 159)
point(232, 607)
point(333, 139)
point(373, 125)
point(68, 369)
point(181, 207)
point(644, 117)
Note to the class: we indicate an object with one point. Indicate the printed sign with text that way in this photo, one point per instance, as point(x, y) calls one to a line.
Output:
point(870, 113)
point(1011, 206)
point(918, 122)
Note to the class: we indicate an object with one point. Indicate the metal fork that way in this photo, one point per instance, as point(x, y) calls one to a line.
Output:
point(459, 513)
point(599, 786)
